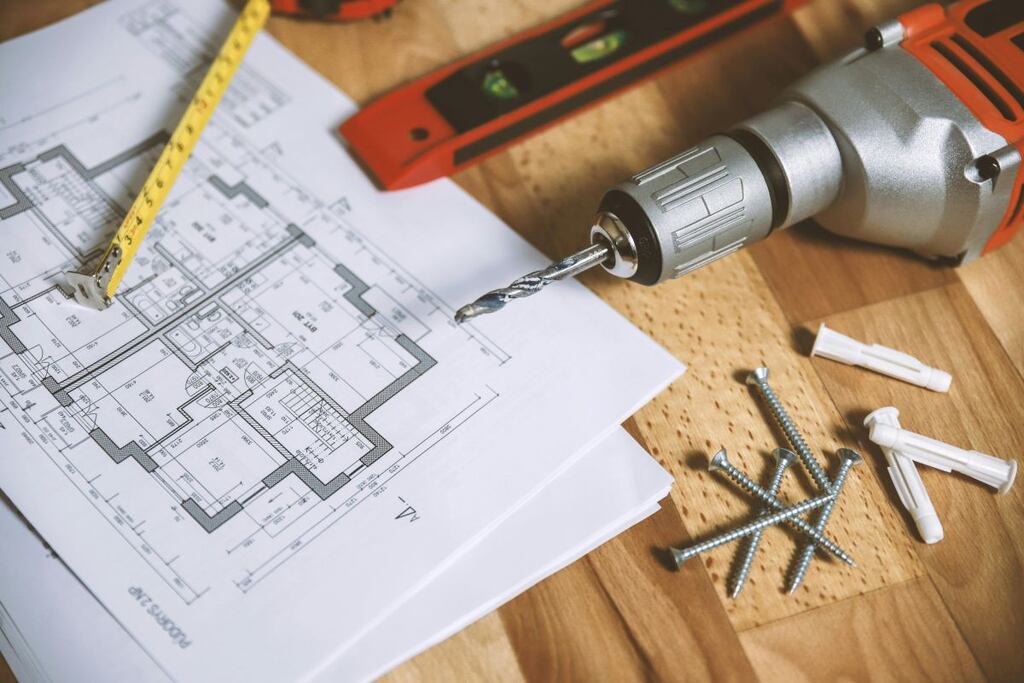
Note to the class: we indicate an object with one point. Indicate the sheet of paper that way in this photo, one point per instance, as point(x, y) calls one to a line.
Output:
point(50, 623)
point(603, 494)
point(276, 434)
point(57, 622)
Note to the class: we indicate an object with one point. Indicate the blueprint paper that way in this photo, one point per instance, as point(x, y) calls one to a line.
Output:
point(58, 621)
point(276, 435)
point(53, 623)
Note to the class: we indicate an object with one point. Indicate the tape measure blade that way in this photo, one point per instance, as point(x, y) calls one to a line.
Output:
point(96, 289)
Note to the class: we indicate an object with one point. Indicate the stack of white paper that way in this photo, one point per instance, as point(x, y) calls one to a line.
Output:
point(50, 623)
point(275, 457)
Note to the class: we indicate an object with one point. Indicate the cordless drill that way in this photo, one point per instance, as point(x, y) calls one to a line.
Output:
point(913, 141)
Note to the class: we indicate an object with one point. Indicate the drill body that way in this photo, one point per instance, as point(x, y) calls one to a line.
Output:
point(914, 141)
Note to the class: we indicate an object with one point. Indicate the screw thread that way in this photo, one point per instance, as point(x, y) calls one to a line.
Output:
point(749, 485)
point(747, 559)
point(683, 554)
point(788, 427)
point(806, 554)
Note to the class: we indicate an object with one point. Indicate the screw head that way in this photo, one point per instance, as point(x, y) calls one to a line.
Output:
point(758, 376)
point(784, 455)
point(718, 461)
point(874, 40)
point(988, 167)
point(850, 456)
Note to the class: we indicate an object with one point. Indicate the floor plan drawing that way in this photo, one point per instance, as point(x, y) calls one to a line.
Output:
point(241, 367)
point(276, 436)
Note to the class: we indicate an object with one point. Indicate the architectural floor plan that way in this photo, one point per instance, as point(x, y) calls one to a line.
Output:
point(241, 365)
point(217, 372)
point(278, 396)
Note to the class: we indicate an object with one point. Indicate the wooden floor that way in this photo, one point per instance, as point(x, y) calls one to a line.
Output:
point(948, 612)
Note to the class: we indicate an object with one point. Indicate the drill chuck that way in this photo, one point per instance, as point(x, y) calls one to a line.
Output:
point(727, 192)
point(902, 143)
point(874, 147)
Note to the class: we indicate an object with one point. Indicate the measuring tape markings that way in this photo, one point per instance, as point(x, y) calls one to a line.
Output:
point(96, 289)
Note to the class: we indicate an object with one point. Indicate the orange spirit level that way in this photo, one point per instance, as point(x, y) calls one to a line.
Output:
point(333, 10)
point(487, 101)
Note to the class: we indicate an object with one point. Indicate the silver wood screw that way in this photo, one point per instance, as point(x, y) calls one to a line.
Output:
point(681, 555)
point(783, 459)
point(759, 380)
point(847, 460)
point(720, 463)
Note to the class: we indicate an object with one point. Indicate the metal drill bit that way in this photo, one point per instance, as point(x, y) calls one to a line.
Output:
point(530, 284)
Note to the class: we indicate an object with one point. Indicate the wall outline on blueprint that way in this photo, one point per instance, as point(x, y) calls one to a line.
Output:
point(204, 306)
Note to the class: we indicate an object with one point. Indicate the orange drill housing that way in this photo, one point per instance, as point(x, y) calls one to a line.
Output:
point(976, 47)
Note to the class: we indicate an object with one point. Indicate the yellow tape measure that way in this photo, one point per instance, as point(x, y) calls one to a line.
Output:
point(96, 289)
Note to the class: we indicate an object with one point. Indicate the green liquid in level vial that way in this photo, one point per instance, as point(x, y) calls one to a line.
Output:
point(599, 48)
point(498, 85)
point(689, 6)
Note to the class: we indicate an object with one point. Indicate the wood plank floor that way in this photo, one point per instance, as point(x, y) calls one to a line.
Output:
point(908, 611)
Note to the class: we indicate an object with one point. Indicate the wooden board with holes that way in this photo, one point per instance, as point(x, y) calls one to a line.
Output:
point(908, 611)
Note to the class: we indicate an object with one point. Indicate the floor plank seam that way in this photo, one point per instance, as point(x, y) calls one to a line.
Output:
point(1019, 370)
point(855, 431)
point(634, 642)
point(956, 624)
point(798, 615)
